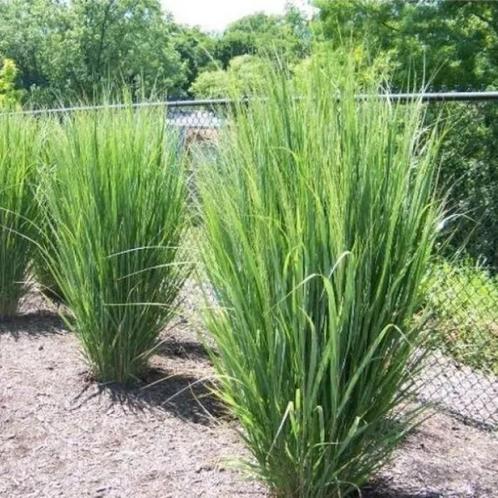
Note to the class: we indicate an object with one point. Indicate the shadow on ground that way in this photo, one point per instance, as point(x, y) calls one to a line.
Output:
point(36, 324)
point(179, 394)
point(385, 489)
point(172, 348)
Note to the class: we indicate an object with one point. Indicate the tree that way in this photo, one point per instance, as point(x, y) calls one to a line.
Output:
point(261, 34)
point(9, 96)
point(69, 50)
point(453, 44)
point(197, 53)
point(29, 30)
point(126, 40)
point(213, 84)
point(368, 66)
point(242, 78)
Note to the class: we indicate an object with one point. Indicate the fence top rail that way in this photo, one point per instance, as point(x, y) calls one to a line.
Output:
point(395, 97)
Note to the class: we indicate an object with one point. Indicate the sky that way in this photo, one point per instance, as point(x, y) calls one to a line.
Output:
point(215, 15)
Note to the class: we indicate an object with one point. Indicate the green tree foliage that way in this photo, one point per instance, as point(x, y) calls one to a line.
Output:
point(212, 84)
point(126, 39)
point(9, 95)
point(71, 50)
point(454, 43)
point(286, 35)
point(66, 50)
point(29, 30)
point(246, 44)
point(368, 67)
point(242, 77)
point(196, 50)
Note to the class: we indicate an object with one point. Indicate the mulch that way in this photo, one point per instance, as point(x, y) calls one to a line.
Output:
point(61, 434)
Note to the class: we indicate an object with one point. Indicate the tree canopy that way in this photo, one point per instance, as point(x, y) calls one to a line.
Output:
point(72, 50)
point(452, 44)
point(68, 50)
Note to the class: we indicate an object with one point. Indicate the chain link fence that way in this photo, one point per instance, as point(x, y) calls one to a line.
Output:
point(460, 373)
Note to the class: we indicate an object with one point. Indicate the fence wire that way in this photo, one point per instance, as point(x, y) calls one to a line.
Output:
point(460, 374)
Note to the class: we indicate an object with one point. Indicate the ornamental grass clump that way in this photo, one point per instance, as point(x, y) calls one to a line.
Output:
point(18, 171)
point(115, 202)
point(319, 221)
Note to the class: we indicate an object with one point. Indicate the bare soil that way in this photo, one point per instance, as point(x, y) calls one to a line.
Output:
point(63, 435)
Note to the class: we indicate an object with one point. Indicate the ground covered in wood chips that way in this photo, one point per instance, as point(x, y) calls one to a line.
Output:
point(63, 435)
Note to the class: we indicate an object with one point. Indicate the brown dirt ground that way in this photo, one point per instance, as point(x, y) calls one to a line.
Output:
point(62, 435)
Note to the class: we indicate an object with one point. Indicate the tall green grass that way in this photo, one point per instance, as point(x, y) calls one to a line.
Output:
point(45, 242)
point(319, 220)
point(19, 148)
point(114, 196)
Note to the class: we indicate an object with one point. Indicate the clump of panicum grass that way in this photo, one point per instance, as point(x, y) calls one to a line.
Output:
point(114, 196)
point(18, 175)
point(319, 220)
